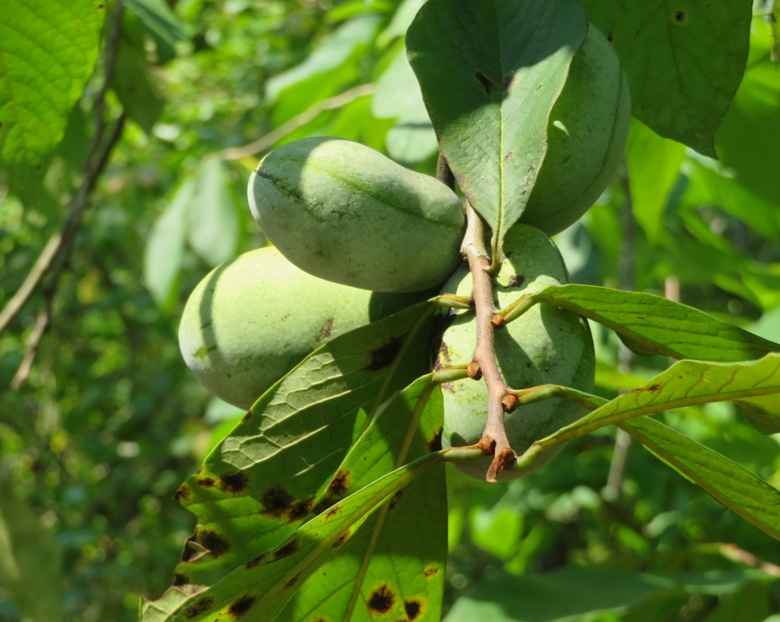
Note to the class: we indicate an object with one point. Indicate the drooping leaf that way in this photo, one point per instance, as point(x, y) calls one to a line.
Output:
point(686, 383)
point(490, 73)
point(260, 483)
point(653, 324)
point(328, 69)
point(162, 23)
point(684, 61)
point(653, 165)
point(165, 246)
point(394, 565)
point(732, 485)
point(264, 585)
point(214, 226)
point(48, 50)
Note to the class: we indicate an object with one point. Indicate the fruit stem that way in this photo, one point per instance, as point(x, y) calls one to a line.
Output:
point(494, 439)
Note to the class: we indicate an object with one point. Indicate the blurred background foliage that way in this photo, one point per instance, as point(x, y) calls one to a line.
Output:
point(100, 422)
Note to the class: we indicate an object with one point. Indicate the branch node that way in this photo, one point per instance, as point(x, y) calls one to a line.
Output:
point(474, 371)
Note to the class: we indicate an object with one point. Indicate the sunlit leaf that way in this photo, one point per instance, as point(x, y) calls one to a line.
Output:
point(260, 483)
point(657, 325)
point(686, 383)
point(732, 485)
point(165, 246)
point(684, 61)
point(395, 564)
point(488, 93)
point(48, 50)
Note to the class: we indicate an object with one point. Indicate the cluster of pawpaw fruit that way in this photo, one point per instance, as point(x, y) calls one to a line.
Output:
point(357, 237)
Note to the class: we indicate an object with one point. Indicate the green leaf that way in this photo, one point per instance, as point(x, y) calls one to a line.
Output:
point(684, 61)
point(329, 67)
point(686, 383)
point(653, 169)
point(165, 246)
point(214, 226)
point(164, 26)
point(735, 487)
point(260, 483)
point(48, 50)
point(653, 324)
point(396, 560)
point(30, 559)
point(134, 86)
point(265, 584)
point(488, 93)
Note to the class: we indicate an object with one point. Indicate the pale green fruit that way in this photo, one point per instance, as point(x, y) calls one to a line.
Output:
point(252, 319)
point(587, 133)
point(345, 212)
point(544, 345)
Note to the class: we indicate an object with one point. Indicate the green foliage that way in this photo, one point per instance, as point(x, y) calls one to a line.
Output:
point(103, 422)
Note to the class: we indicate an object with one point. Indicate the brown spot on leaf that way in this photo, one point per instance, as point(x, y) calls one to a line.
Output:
point(431, 571)
point(384, 355)
point(254, 562)
point(241, 605)
point(233, 483)
point(213, 542)
point(180, 579)
point(680, 17)
point(199, 607)
point(291, 582)
point(206, 482)
point(342, 539)
point(339, 485)
point(182, 494)
point(381, 599)
point(611, 36)
point(287, 549)
point(434, 443)
point(247, 416)
point(413, 607)
point(395, 499)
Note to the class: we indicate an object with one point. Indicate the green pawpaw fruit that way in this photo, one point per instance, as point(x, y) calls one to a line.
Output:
point(587, 133)
point(544, 345)
point(252, 319)
point(344, 212)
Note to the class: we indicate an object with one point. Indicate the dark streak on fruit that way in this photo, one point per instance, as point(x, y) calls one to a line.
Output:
point(381, 599)
point(199, 607)
point(384, 355)
point(287, 549)
point(326, 331)
point(413, 608)
point(240, 606)
point(279, 186)
point(233, 483)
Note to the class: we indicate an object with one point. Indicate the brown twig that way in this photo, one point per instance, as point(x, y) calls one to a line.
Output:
point(57, 249)
point(494, 440)
point(298, 121)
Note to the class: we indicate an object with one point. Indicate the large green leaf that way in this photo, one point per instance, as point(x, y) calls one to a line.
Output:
point(396, 560)
point(262, 481)
point(684, 60)
point(732, 485)
point(490, 73)
point(654, 325)
point(48, 50)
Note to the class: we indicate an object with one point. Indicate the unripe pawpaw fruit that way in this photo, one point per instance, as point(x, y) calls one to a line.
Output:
point(344, 212)
point(252, 319)
point(586, 136)
point(544, 345)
